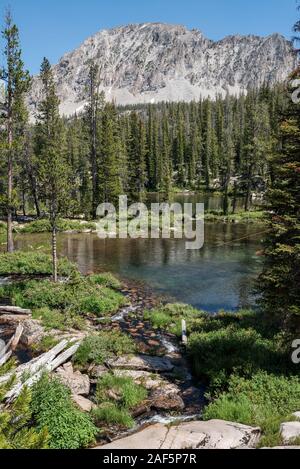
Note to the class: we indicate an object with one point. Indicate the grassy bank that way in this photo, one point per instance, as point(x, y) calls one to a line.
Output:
point(245, 363)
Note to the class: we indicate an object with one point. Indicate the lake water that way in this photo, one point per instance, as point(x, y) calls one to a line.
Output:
point(219, 276)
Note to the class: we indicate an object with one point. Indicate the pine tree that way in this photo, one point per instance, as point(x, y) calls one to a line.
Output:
point(17, 83)
point(137, 158)
point(109, 173)
point(280, 280)
point(53, 167)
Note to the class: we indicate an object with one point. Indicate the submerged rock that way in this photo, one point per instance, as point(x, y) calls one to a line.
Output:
point(214, 434)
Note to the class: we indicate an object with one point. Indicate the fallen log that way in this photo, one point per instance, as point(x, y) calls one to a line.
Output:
point(49, 367)
point(34, 365)
point(5, 358)
point(6, 318)
point(14, 310)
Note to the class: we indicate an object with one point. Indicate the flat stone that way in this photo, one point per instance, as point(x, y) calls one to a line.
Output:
point(214, 434)
point(290, 431)
point(97, 371)
point(142, 362)
point(78, 383)
point(84, 404)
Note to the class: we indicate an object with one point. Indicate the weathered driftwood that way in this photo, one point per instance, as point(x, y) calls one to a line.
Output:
point(5, 358)
point(184, 332)
point(49, 367)
point(14, 310)
point(12, 318)
point(36, 364)
point(6, 351)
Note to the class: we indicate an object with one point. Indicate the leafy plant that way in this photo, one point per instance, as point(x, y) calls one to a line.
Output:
point(52, 407)
point(107, 344)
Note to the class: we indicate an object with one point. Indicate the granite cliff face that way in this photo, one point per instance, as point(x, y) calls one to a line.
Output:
point(159, 62)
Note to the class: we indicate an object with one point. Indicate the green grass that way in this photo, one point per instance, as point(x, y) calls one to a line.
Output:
point(45, 344)
point(264, 400)
point(43, 226)
point(78, 296)
point(116, 397)
point(128, 394)
point(30, 263)
point(106, 279)
point(100, 347)
point(110, 414)
point(169, 317)
point(239, 217)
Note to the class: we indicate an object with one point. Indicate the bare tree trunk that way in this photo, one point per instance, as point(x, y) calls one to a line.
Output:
point(54, 253)
point(10, 240)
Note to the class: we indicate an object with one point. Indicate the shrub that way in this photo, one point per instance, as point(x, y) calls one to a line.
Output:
point(30, 263)
point(169, 317)
point(106, 280)
point(62, 321)
point(107, 344)
point(215, 355)
point(43, 226)
point(123, 389)
point(110, 414)
point(265, 400)
point(75, 297)
point(53, 409)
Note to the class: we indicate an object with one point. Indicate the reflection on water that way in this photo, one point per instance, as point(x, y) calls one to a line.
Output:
point(218, 276)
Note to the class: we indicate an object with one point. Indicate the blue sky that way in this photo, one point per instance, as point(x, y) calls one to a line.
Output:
point(52, 27)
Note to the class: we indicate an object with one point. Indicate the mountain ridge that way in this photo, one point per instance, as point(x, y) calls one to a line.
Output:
point(153, 62)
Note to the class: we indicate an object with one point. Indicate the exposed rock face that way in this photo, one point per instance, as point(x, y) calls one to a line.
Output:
point(160, 62)
point(76, 381)
point(290, 431)
point(215, 434)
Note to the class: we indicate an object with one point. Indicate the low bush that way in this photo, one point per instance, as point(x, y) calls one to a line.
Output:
point(31, 263)
point(216, 354)
point(55, 319)
point(103, 346)
point(106, 279)
point(169, 317)
point(264, 400)
point(43, 226)
point(110, 414)
point(52, 408)
point(77, 297)
point(121, 389)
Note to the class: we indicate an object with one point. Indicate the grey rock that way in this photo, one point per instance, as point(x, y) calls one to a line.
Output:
point(156, 62)
point(84, 404)
point(33, 332)
point(142, 363)
point(214, 434)
point(78, 383)
point(290, 431)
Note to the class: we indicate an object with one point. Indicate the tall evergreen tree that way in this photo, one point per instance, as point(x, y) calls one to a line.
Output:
point(17, 83)
point(53, 170)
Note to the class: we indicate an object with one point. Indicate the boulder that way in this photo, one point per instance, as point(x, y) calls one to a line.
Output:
point(167, 398)
point(96, 372)
point(76, 381)
point(142, 362)
point(84, 404)
point(214, 434)
point(33, 332)
point(290, 431)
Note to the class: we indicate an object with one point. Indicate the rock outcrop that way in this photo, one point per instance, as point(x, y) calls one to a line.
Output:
point(78, 383)
point(214, 434)
point(156, 62)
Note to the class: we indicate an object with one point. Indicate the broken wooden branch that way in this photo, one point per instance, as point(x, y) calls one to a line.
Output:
point(48, 367)
point(10, 347)
point(14, 310)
